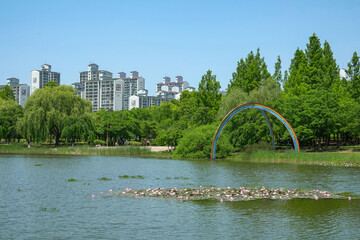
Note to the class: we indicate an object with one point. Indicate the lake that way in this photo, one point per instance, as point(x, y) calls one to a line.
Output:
point(37, 200)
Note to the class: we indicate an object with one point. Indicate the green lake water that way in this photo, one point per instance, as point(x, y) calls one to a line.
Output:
point(38, 202)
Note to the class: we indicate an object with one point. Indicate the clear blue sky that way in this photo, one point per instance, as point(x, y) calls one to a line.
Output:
point(171, 38)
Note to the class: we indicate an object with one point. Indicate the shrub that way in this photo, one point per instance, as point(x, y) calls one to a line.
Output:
point(99, 142)
point(196, 143)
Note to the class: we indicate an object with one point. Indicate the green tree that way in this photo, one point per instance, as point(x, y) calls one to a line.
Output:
point(51, 84)
point(112, 126)
point(210, 97)
point(277, 74)
point(10, 112)
point(7, 93)
point(188, 105)
point(249, 72)
point(298, 81)
point(286, 75)
point(314, 55)
point(249, 126)
point(197, 142)
point(353, 72)
point(312, 115)
point(48, 112)
point(330, 68)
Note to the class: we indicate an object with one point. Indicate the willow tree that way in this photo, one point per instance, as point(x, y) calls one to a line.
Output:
point(50, 111)
point(10, 112)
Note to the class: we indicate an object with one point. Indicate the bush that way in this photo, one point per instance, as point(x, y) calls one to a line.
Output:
point(196, 143)
point(99, 142)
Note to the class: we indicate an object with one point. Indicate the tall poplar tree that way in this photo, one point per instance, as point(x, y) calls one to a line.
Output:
point(277, 74)
point(209, 96)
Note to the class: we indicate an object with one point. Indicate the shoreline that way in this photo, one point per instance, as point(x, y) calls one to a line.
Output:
point(339, 158)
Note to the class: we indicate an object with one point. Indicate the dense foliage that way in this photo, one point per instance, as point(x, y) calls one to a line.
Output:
point(322, 108)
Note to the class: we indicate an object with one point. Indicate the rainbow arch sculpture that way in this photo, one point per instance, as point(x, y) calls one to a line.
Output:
point(263, 109)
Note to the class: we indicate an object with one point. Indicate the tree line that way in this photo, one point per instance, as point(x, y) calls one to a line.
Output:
point(322, 109)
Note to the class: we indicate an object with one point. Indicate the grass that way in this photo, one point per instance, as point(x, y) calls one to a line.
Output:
point(72, 180)
point(105, 179)
point(127, 176)
point(321, 158)
point(77, 150)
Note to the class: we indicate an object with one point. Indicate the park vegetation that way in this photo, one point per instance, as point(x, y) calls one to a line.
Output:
point(323, 110)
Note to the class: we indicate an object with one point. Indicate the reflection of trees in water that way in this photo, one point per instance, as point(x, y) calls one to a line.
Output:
point(288, 218)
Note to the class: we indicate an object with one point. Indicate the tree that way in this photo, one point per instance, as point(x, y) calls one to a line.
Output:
point(353, 72)
point(330, 69)
point(51, 84)
point(314, 69)
point(249, 73)
point(249, 126)
point(49, 111)
point(286, 75)
point(7, 93)
point(277, 74)
point(314, 55)
point(10, 112)
point(298, 81)
point(312, 115)
point(196, 143)
point(210, 96)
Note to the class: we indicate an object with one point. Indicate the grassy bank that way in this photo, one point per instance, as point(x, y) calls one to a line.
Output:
point(319, 158)
point(77, 150)
point(342, 158)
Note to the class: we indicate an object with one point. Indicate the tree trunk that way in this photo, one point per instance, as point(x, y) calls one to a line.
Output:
point(57, 139)
point(319, 145)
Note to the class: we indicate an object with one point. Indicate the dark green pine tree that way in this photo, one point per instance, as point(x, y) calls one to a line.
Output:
point(277, 73)
point(249, 72)
point(354, 74)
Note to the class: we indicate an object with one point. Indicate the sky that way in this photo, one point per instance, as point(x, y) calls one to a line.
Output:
point(167, 38)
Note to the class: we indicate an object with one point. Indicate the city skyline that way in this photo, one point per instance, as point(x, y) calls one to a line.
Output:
point(166, 38)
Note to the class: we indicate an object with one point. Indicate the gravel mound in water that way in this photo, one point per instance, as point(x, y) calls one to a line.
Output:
point(229, 194)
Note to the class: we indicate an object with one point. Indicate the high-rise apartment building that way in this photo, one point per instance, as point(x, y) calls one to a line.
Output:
point(142, 100)
point(126, 87)
point(39, 78)
point(21, 91)
point(169, 90)
point(94, 85)
point(107, 92)
point(343, 74)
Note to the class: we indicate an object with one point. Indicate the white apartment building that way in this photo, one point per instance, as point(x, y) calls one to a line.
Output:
point(125, 87)
point(168, 89)
point(21, 91)
point(343, 74)
point(142, 100)
point(39, 78)
point(107, 92)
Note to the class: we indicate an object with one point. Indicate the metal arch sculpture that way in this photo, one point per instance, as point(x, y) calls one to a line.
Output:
point(263, 109)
